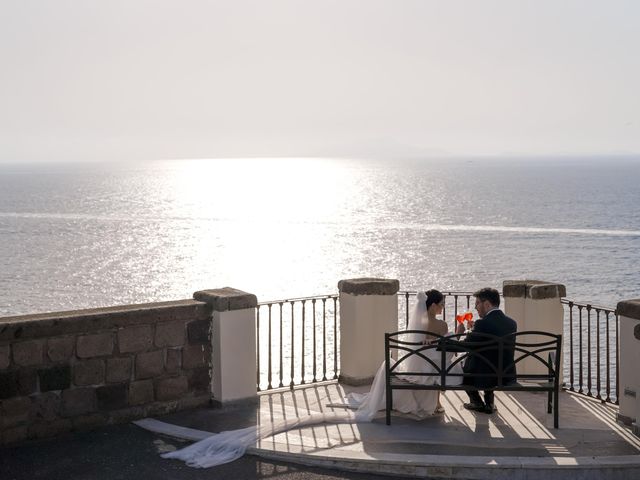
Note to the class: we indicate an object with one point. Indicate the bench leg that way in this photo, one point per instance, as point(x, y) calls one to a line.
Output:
point(555, 408)
point(549, 400)
point(389, 404)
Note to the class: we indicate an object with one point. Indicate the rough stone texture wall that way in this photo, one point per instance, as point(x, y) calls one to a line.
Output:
point(83, 369)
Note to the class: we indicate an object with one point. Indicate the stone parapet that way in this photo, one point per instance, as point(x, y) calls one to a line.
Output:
point(44, 325)
point(533, 289)
point(87, 368)
point(369, 286)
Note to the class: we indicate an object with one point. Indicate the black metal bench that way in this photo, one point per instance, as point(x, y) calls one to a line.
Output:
point(544, 348)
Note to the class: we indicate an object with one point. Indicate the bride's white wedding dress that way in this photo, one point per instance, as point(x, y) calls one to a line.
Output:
point(227, 446)
point(420, 403)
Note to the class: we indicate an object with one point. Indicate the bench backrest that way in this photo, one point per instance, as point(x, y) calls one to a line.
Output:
point(409, 359)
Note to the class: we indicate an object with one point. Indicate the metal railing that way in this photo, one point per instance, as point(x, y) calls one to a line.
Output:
point(303, 333)
point(297, 342)
point(592, 352)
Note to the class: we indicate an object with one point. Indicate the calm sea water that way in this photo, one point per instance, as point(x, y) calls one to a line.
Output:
point(79, 236)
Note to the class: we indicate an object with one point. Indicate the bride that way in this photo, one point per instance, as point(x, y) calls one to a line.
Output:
point(227, 446)
point(421, 403)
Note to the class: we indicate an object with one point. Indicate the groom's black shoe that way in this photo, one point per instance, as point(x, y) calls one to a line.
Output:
point(490, 409)
point(473, 406)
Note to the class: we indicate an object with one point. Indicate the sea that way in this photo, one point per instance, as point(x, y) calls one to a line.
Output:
point(81, 235)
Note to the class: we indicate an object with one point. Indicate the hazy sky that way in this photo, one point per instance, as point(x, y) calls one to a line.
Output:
point(194, 78)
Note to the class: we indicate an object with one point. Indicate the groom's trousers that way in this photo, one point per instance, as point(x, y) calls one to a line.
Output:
point(474, 396)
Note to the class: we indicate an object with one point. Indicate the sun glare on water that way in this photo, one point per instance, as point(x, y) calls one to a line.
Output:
point(248, 217)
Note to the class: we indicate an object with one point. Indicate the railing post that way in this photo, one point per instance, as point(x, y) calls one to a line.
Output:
point(233, 342)
point(368, 310)
point(629, 354)
point(535, 305)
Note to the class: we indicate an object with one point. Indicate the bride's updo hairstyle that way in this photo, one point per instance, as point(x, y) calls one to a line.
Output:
point(433, 296)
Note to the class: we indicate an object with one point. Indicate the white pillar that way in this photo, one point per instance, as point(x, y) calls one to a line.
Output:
point(629, 350)
point(535, 305)
point(368, 310)
point(233, 344)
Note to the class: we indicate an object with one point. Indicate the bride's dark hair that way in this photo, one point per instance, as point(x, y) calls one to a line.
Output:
point(433, 296)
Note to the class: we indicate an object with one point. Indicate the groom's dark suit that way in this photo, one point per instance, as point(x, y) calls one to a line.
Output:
point(498, 324)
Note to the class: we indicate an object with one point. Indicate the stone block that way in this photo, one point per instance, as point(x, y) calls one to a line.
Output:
point(119, 369)
point(55, 378)
point(125, 415)
point(226, 299)
point(13, 435)
point(89, 372)
point(199, 332)
point(28, 381)
point(629, 308)
point(111, 397)
point(199, 380)
point(194, 356)
point(141, 392)
point(171, 388)
point(533, 289)
point(5, 356)
point(89, 422)
point(158, 409)
point(369, 286)
point(8, 384)
point(174, 360)
point(46, 406)
point(149, 364)
point(97, 345)
point(78, 401)
point(50, 429)
point(135, 339)
point(29, 353)
point(60, 349)
point(15, 411)
point(170, 334)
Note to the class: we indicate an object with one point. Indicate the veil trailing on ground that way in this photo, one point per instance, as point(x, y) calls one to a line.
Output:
point(225, 447)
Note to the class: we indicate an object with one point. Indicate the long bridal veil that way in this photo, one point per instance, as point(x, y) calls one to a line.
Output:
point(416, 322)
point(227, 446)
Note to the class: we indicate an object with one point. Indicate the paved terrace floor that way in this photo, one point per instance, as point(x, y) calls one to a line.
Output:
point(518, 442)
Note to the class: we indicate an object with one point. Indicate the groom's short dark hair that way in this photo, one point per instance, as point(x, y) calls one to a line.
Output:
point(490, 294)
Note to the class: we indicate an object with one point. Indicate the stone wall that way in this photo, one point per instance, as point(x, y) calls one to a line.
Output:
point(82, 369)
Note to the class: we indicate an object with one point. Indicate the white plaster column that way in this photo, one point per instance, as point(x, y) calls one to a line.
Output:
point(233, 344)
point(368, 310)
point(629, 350)
point(535, 305)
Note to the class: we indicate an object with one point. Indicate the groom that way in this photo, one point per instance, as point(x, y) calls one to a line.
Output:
point(494, 322)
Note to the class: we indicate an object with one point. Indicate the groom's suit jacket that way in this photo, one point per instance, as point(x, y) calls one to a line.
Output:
point(498, 324)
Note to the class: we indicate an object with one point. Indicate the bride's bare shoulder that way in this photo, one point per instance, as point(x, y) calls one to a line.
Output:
point(438, 326)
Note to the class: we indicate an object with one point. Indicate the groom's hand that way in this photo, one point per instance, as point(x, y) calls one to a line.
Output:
point(460, 328)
